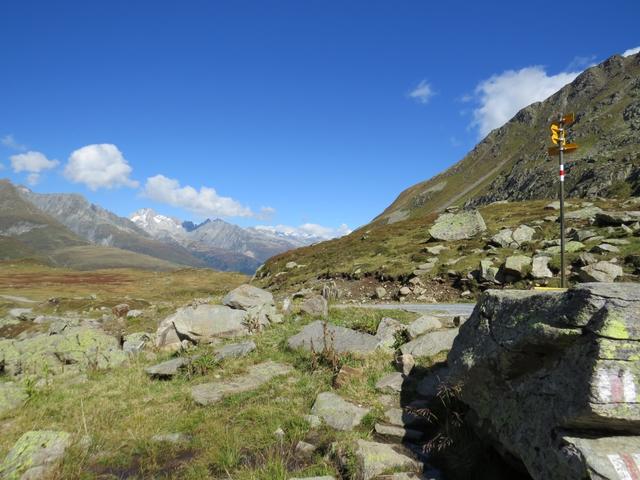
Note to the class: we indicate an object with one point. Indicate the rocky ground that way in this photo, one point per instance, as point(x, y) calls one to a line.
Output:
point(223, 386)
point(461, 253)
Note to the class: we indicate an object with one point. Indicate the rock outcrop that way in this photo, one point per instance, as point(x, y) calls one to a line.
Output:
point(458, 226)
point(564, 368)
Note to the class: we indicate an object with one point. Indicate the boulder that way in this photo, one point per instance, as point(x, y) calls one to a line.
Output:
point(402, 418)
point(404, 291)
point(316, 306)
point(586, 259)
point(35, 455)
point(391, 383)
point(422, 325)
point(540, 267)
point(337, 412)
point(604, 248)
point(516, 267)
point(563, 366)
point(322, 335)
point(405, 363)
point(600, 272)
point(582, 235)
point(398, 432)
point(381, 292)
point(570, 247)
point(136, 342)
point(247, 296)
point(234, 350)
point(389, 331)
point(523, 234)
point(201, 324)
point(168, 369)
point(258, 375)
point(586, 213)
point(376, 458)
point(503, 239)
point(458, 226)
point(488, 273)
point(430, 344)
point(615, 219)
point(74, 349)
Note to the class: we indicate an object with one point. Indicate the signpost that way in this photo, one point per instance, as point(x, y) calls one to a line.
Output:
point(558, 138)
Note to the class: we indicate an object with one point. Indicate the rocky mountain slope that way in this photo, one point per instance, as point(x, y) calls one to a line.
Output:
point(512, 163)
point(220, 244)
point(28, 232)
point(102, 227)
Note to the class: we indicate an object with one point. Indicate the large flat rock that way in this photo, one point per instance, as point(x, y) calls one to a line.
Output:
point(533, 365)
point(247, 296)
point(73, 349)
point(35, 455)
point(376, 458)
point(430, 344)
point(258, 375)
point(458, 226)
point(343, 340)
point(337, 412)
point(201, 324)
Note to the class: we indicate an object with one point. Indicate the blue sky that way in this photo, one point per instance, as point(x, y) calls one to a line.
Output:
point(286, 112)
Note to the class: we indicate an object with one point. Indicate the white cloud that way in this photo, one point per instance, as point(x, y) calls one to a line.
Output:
point(99, 166)
point(422, 93)
point(33, 163)
point(205, 202)
point(631, 51)
point(501, 96)
point(307, 230)
point(10, 142)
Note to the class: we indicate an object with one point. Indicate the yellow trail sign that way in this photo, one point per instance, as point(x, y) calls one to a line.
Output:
point(568, 148)
point(555, 133)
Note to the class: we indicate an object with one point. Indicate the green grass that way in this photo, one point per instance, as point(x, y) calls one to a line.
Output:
point(393, 252)
point(120, 409)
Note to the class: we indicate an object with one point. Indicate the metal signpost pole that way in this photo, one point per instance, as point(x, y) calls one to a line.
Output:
point(562, 267)
point(558, 138)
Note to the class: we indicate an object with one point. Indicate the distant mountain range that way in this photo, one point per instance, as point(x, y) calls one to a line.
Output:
point(220, 244)
point(44, 225)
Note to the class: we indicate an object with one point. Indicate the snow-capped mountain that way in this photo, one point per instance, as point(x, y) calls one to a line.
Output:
point(215, 238)
point(159, 226)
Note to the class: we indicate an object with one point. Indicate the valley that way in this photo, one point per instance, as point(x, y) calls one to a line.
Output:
point(431, 343)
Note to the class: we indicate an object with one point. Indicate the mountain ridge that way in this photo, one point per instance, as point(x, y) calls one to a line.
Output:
point(511, 162)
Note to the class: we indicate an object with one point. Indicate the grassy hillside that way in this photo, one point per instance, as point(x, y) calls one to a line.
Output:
point(91, 257)
point(383, 253)
point(29, 230)
point(512, 163)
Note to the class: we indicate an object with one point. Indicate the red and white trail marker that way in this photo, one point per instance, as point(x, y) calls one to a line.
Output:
point(626, 465)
